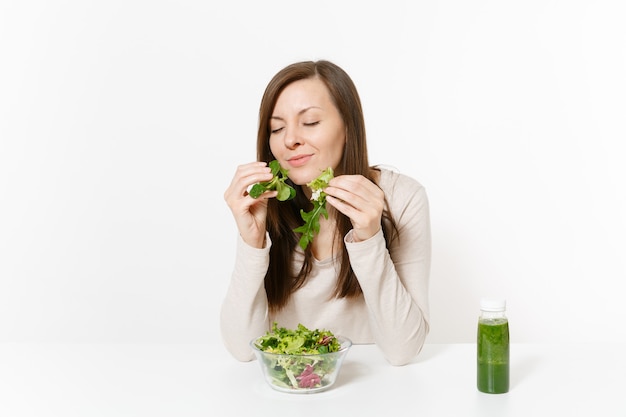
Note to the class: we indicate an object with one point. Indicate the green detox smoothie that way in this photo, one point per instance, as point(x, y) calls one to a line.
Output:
point(493, 355)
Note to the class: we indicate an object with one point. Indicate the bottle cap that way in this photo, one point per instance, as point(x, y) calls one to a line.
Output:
point(493, 304)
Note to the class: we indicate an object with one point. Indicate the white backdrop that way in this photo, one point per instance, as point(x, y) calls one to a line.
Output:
point(122, 122)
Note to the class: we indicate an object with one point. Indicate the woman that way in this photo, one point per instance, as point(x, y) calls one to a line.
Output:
point(365, 274)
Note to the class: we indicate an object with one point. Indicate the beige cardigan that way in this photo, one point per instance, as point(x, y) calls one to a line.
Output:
point(393, 310)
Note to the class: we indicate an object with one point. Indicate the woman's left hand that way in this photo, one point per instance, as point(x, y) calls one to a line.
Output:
point(359, 199)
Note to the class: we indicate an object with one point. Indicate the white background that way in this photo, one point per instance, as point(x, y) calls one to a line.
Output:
point(122, 122)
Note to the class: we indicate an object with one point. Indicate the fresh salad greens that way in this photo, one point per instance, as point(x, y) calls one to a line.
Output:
point(306, 368)
point(298, 342)
point(311, 218)
point(285, 191)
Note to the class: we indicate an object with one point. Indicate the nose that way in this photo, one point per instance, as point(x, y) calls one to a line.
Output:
point(292, 138)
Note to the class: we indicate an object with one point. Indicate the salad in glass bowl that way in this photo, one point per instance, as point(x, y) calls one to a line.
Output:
point(300, 360)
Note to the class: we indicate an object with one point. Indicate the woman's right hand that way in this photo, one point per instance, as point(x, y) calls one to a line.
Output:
point(250, 213)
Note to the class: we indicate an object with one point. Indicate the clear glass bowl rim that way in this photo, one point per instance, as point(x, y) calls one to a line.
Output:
point(345, 343)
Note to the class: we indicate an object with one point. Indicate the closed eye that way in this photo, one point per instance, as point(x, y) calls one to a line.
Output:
point(312, 123)
point(276, 130)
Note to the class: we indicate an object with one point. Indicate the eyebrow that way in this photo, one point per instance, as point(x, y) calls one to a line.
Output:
point(299, 113)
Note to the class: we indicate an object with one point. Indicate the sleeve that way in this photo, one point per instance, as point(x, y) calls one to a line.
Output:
point(395, 280)
point(244, 312)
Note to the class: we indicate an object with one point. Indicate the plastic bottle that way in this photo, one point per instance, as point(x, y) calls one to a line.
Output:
point(493, 347)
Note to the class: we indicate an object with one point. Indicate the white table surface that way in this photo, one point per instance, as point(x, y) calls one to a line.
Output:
point(203, 380)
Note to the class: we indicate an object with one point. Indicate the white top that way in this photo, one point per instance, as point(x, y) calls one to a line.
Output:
point(393, 310)
point(493, 304)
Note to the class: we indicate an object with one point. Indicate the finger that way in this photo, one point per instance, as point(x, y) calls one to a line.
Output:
point(357, 196)
point(342, 195)
point(365, 223)
point(267, 195)
point(248, 175)
point(251, 168)
point(341, 206)
point(357, 217)
point(356, 184)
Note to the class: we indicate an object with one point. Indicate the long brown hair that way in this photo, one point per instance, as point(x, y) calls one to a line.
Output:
point(281, 279)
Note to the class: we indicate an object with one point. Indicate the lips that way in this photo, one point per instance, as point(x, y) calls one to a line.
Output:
point(299, 160)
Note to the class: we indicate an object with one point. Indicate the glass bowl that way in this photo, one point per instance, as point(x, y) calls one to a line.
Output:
point(303, 373)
